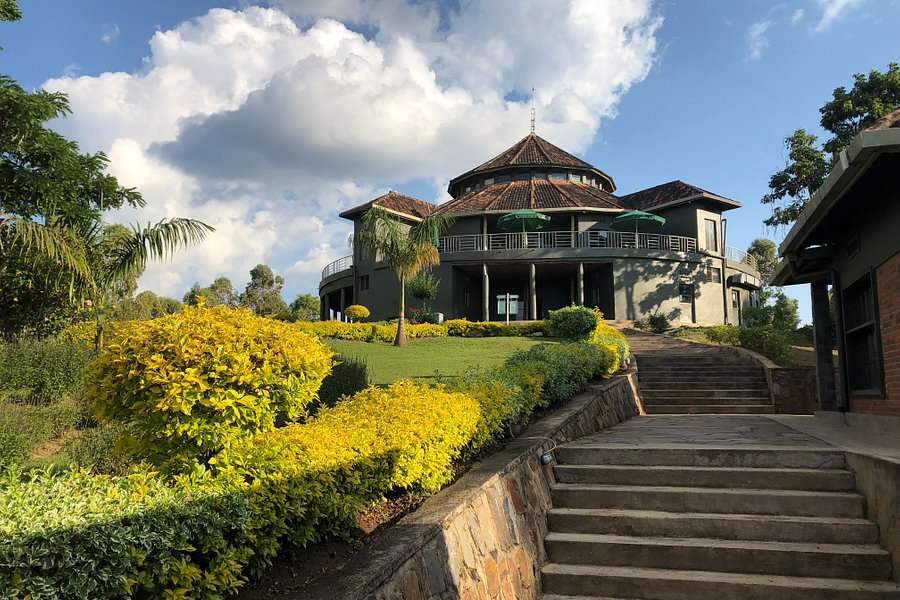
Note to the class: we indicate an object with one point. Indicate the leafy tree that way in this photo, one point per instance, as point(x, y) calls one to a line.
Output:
point(424, 287)
point(305, 307)
point(9, 11)
point(220, 292)
point(146, 305)
point(263, 294)
point(775, 309)
point(845, 115)
point(55, 251)
point(406, 250)
point(765, 253)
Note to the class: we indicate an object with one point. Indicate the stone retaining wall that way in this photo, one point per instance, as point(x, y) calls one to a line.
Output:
point(482, 537)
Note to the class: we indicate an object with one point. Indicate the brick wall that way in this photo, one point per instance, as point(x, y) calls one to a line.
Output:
point(888, 281)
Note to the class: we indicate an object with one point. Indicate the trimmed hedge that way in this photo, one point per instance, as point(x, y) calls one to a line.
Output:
point(189, 384)
point(464, 328)
point(575, 322)
point(368, 332)
point(723, 334)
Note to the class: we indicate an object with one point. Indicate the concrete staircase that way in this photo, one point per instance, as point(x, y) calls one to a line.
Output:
point(678, 377)
point(710, 524)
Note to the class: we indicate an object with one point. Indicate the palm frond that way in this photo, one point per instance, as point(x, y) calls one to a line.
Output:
point(53, 243)
point(129, 254)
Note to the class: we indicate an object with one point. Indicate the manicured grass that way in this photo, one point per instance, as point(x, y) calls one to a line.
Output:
point(425, 358)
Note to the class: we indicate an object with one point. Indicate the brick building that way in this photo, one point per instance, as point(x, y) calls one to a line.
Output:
point(848, 239)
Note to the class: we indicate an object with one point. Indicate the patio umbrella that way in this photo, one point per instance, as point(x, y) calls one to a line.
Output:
point(522, 219)
point(635, 217)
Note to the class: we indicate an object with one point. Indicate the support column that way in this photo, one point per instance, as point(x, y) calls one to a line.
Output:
point(325, 315)
point(532, 291)
point(343, 302)
point(822, 341)
point(485, 293)
point(580, 289)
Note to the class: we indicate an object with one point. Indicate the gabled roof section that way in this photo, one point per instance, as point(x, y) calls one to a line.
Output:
point(888, 121)
point(673, 192)
point(536, 194)
point(395, 202)
point(533, 151)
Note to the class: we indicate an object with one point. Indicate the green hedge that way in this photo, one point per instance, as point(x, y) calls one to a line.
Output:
point(42, 371)
point(201, 534)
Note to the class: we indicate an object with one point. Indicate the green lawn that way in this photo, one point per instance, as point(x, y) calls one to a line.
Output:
point(424, 358)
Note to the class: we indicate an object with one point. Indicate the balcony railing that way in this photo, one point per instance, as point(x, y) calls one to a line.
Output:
point(491, 242)
point(337, 266)
point(738, 255)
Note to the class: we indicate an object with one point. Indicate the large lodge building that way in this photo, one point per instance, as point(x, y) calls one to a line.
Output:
point(682, 269)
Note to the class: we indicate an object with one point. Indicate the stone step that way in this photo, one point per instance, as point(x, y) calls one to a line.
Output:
point(588, 582)
point(714, 500)
point(788, 457)
point(731, 477)
point(775, 528)
point(731, 556)
point(704, 390)
point(666, 384)
point(693, 362)
point(712, 409)
point(696, 367)
point(680, 378)
point(704, 397)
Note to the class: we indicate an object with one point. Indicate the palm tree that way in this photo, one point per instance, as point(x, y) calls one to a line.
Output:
point(99, 258)
point(407, 250)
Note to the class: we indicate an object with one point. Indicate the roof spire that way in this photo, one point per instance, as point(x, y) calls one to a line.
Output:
point(532, 110)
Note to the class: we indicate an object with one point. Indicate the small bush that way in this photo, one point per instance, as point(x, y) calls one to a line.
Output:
point(607, 336)
point(573, 322)
point(189, 384)
point(565, 369)
point(348, 376)
point(99, 450)
point(642, 324)
point(357, 312)
point(658, 323)
point(723, 334)
point(42, 371)
point(767, 340)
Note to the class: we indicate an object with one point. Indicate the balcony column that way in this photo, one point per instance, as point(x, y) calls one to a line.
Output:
point(326, 315)
point(343, 302)
point(485, 293)
point(822, 342)
point(532, 291)
point(580, 289)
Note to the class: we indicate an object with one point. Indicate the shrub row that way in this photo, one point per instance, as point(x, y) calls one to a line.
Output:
point(200, 533)
point(42, 371)
point(367, 332)
point(768, 340)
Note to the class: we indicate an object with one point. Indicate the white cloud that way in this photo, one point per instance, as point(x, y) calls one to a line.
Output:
point(757, 41)
point(832, 10)
point(797, 16)
point(110, 34)
point(266, 123)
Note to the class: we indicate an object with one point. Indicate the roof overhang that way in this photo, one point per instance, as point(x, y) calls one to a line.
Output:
point(528, 167)
point(805, 261)
point(563, 209)
point(350, 214)
point(704, 197)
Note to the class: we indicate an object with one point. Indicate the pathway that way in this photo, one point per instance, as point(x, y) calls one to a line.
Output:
point(704, 507)
point(677, 376)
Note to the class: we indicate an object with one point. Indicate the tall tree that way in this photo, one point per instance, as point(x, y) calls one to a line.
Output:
point(263, 294)
point(407, 250)
point(765, 254)
point(55, 250)
point(305, 307)
point(845, 115)
point(219, 292)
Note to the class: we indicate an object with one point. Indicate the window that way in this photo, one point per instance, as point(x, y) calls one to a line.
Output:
point(557, 176)
point(686, 292)
point(863, 352)
point(364, 282)
point(735, 299)
point(489, 181)
point(713, 274)
point(712, 238)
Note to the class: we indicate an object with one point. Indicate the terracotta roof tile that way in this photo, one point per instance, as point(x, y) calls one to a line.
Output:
point(537, 194)
point(665, 193)
point(396, 202)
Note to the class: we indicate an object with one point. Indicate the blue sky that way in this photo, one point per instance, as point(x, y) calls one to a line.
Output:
point(707, 94)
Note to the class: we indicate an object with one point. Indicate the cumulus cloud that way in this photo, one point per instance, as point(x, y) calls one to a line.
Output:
point(797, 16)
point(757, 40)
point(267, 122)
point(832, 10)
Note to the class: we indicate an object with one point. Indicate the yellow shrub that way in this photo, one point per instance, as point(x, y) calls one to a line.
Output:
point(606, 335)
point(307, 482)
point(191, 383)
point(357, 312)
point(425, 330)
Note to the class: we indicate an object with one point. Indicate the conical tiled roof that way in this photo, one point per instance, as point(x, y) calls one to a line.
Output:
point(536, 194)
point(533, 151)
point(395, 202)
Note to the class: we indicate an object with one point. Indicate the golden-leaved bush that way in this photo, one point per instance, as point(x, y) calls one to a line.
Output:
point(190, 384)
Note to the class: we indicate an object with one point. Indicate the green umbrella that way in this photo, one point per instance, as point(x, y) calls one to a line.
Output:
point(522, 219)
point(634, 217)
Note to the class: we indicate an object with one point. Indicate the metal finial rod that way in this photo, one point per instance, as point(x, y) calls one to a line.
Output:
point(532, 110)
